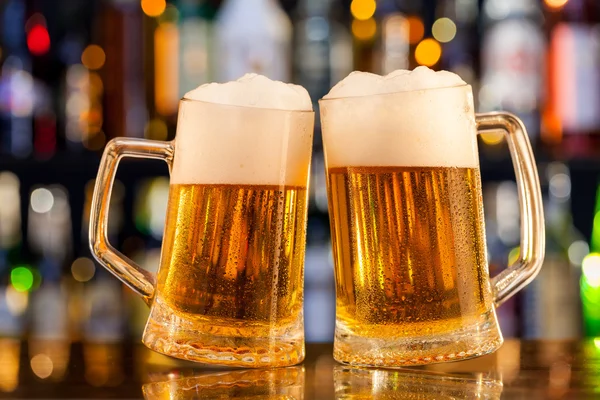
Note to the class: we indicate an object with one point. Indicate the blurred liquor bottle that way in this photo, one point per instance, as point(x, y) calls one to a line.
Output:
point(16, 82)
point(392, 50)
point(49, 232)
point(322, 50)
point(571, 122)
point(195, 44)
point(253, 36)
point(501, 202)
point(383, 32)
point(513, 52)
point(456, 28)
point(143, 247)
point(97, 296)
point(122, 25)
point(14, 273)
point(551, 304)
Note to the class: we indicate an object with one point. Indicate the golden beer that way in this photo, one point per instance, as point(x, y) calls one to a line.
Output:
point(232, 260)
point(409, 249)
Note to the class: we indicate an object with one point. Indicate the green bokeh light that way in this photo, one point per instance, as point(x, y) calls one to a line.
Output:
point(21, 278)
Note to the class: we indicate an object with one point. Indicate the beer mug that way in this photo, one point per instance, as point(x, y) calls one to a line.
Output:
point(229, 289)
point(404, 190)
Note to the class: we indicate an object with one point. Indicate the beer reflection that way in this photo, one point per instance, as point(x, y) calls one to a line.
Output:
point(354, 384)
point(267, 384)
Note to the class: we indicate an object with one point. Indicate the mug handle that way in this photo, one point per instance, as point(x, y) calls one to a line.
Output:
point(141, 281)
point(533, 238)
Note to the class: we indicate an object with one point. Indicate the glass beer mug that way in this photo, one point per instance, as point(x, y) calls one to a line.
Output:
point(405, 205)
point(229, 289)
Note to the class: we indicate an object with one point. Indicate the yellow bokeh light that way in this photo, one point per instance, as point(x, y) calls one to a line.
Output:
point(416, 29)
point(444, 30)
point(363, 9)
point(364, 30)
point(556, 3)
point(153, 8)
point(83, 269)
point(93, 57)
point(492, 138)
point(428, 52)
point(156, 129)
point(42, 365)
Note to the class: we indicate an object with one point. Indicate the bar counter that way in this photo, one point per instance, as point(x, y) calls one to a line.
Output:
point(44, 369)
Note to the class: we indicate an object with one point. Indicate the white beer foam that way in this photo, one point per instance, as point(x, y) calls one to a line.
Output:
point(244, 132)
point(419, 118)
point(401, 80)
point(252, 90)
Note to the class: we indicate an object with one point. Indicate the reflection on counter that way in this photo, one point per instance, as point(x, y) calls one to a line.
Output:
point(520, 369)
point(271, 384)
point(355, 384)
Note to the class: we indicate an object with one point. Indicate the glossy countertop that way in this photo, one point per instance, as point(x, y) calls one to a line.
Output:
point(44, 369)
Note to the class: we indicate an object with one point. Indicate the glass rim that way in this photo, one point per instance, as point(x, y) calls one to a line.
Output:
point(389, 94)
point(236, 106)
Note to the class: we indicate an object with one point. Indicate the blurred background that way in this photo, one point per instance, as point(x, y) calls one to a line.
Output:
point(76, 73)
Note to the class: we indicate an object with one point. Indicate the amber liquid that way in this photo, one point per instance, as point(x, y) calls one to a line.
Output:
point(409, 250)
point(233, 256)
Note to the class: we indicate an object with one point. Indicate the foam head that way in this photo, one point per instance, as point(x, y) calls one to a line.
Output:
point(250, 131)
point(407, 118)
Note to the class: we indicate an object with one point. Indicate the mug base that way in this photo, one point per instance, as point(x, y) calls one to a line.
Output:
point(169, 334)
point(473, 341)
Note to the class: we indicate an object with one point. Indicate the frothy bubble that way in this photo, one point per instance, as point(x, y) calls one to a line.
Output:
point(391, 121)
point(365, 83)
point(265, 140)
point(253, 90)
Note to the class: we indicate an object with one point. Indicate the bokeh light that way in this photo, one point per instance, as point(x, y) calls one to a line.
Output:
point(156, 129)
point(93, 57)
point(513, 255)
point(428, 52)
point(42, 366)
point(153, 8)
point(363, 9)
point(444, 30)
point(492, 138)
point(169, 15)
point(83, 269)
point(556, 3)
point(42, 200)
point(591, 269)
point(21, 278)
point(416, 29)
point(364, 30)
point(577, 251)
point(16, 301)
point(38, 40)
